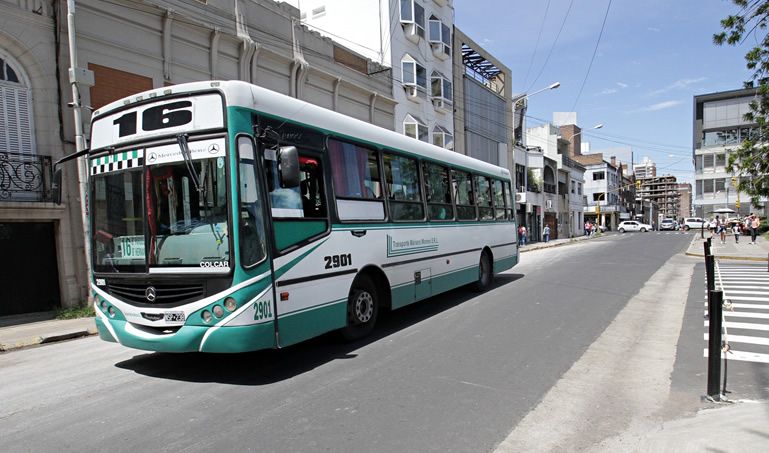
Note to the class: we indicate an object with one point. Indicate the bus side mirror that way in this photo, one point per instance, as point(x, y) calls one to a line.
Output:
point(56, 186)
point(288, 166)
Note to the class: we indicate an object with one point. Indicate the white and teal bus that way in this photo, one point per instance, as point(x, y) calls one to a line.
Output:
point(225, 217)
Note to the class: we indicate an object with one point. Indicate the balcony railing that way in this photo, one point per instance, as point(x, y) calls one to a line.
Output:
point(25, 177)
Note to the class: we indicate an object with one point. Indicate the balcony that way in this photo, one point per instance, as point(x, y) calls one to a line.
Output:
point(25, 178)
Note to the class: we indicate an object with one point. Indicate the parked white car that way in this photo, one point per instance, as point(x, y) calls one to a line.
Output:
point(694, 223)
point(632, 225)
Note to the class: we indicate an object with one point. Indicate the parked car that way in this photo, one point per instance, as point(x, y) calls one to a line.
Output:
point(694, 223)
point(668, 224)
point(632, 225)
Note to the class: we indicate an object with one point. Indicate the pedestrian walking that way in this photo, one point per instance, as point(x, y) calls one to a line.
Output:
point(712, 226)
point(587, 228)
point(755, 222)
point(736, 229)
point(546, 233)
point(722, 225)
point(522, 235)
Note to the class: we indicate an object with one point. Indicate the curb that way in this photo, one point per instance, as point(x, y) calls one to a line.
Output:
point(46, 339)
point(722, 257)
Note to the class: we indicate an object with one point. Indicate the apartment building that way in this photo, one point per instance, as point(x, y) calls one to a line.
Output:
point(720, 125)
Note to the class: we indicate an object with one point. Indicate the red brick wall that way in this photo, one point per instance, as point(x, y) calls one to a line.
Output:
point(112, 84)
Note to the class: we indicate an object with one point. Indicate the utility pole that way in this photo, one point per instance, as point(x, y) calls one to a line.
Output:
point(79, 76)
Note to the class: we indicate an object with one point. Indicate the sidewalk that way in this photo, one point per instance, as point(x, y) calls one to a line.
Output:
point(731, 250)
point(22, 331)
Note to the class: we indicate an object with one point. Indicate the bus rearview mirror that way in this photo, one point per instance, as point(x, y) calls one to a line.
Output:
point(288, 166)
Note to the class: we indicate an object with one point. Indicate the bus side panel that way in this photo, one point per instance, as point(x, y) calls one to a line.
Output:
point(298, 327)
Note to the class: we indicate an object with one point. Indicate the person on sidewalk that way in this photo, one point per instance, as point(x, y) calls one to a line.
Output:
point(736, 229)
point(546, 233)
point(755, 222)
point(722, 225)
point(712, 226)
point(587, 229)
point(522, 235)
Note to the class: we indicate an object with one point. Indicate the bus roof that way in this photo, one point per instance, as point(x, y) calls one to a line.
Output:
point(243, 94)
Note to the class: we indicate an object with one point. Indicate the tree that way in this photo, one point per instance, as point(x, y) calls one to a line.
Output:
point(751, 160)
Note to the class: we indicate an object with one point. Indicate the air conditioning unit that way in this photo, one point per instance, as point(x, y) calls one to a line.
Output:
point(412, 93)
point(520, 197)
point(549, 204)
point(442, 105)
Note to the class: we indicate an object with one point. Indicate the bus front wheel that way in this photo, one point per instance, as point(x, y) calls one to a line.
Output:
point(485, 273)
point(362, 309)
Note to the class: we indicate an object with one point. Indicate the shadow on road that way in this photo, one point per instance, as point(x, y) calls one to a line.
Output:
point(275, 365)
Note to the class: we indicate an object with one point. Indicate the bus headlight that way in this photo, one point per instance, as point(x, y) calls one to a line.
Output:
point(112, 312)
point(207, 316)
point(230, 304)
point(218, 311)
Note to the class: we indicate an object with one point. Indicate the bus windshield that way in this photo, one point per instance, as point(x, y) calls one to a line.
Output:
point(169, 213)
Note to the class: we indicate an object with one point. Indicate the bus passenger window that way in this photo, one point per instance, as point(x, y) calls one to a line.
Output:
point(356, 170)
point(437, 193)
point(403, 188)
point(485, 209)
point(499, 200)
point(463, 195)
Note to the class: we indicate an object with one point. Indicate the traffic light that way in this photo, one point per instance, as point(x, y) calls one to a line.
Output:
point(734, 181)
point(638, 184)
point(738, 204)
point(597, 209)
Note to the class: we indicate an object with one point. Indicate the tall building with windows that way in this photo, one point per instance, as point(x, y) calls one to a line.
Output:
point(413, 38)
point(720, 125)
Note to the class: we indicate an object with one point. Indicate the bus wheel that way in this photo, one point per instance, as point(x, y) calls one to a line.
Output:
point(485, 273)
point(362, 309)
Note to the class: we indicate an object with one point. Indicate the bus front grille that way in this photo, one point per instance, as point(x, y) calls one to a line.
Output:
point(160, 295)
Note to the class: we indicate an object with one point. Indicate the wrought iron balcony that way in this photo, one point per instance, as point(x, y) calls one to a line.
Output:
point(25, 177)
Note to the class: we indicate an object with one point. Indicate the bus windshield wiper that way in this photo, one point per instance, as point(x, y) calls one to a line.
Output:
point(185, 149)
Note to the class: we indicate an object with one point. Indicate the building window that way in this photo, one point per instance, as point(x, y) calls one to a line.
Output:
point(443, 138)
point(413, 13)
point(414, 74)
point(15, 112)
point(579, 188)
point(599, 175)
point(415, 128)
point(440, 87)
point(440, 37)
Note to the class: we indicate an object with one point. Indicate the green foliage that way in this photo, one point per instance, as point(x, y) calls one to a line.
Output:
point(751, 160)
point(83, 310)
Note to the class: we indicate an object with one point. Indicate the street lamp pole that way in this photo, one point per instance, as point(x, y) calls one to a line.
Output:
point(598, 203)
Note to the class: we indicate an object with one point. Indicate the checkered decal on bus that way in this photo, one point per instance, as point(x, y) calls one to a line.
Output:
point(115, 162)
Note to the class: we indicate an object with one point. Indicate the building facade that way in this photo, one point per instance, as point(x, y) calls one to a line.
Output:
point(719, 125)
point(126, 47)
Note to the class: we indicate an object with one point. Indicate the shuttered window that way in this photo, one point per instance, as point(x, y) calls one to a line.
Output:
point(15, 113)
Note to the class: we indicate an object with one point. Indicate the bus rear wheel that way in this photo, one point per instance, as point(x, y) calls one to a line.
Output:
point(362, 309)
point(485, 273)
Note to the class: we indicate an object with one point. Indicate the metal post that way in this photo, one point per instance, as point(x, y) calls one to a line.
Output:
point(715, 309)
point(706, 245)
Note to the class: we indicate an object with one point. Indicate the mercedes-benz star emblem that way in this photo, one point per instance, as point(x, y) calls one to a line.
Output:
point(150, 293)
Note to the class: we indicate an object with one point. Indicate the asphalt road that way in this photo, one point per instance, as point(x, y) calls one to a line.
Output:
point(458, 372)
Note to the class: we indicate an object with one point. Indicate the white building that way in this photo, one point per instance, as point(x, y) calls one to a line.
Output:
point(411, 37)
point(565, 208)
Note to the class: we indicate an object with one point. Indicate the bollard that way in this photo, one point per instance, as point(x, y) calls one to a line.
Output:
point(706, 246)
point(710, 273)
point(715, 309)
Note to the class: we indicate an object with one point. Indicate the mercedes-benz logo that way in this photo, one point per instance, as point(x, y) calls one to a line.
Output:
point(213, 149)
point(152, 158)
point(150, 293)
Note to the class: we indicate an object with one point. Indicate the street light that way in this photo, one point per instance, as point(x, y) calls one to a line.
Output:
point(523, 96)
point(597, 126)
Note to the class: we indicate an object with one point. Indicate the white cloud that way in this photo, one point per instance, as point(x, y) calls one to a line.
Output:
point(678, 85)
point(622, 85)
point(612, 90)
point(661, 105)
point(654, 29)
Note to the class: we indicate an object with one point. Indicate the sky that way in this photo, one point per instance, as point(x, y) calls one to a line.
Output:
point(635, 69)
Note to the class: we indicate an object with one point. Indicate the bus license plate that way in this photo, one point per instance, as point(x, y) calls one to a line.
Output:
point(174, 316)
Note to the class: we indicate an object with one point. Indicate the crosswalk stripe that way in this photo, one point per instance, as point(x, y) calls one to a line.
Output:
point(744, 356)
point(742, 314)
point(743, 339)
point(742, 325)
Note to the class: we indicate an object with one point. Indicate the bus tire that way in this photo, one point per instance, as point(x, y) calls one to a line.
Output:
point(485, 272)
point(362, 309)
